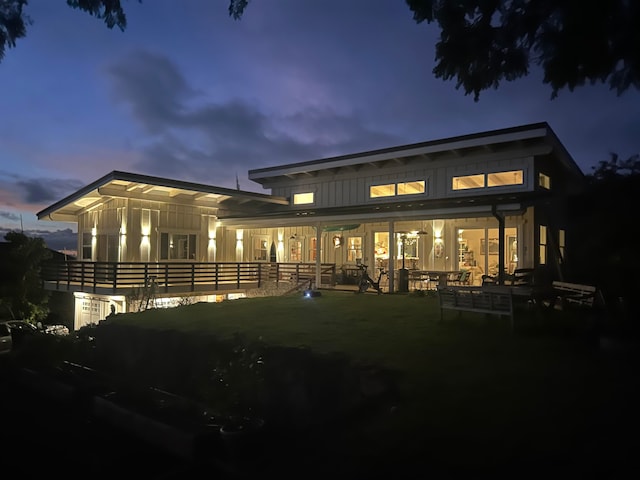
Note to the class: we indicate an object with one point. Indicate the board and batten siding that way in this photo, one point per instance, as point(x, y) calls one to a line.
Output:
point(352, 188)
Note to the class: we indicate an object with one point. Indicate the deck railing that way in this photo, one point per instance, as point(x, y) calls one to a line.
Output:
point(176, 277)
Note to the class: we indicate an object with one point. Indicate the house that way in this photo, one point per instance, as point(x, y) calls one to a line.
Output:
point(486, 203)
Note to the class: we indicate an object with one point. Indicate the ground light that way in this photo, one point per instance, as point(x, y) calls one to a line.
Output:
point(311, 292)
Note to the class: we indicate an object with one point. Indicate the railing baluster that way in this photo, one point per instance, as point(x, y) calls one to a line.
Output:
point(115, 277)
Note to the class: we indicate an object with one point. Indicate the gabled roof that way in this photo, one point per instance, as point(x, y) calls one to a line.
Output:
point(490, 141)
point(131, 185)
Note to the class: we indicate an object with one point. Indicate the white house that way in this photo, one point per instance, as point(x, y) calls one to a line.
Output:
point(486, 203)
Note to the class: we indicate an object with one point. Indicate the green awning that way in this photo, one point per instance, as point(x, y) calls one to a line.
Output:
point(341, 228)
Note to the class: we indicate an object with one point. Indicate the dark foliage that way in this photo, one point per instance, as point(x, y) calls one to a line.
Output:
point(485, 42)
point(604, 252)
point(13, 23)
point(110, 11)
point(615, 169)
point(21, 290)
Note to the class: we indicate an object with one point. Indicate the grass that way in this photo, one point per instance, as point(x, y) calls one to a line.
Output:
point(473, 395)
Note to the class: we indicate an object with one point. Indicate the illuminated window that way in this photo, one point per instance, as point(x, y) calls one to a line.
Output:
point(312, 249)
point(260, 249)
point(544, 181)
point(411, 188)
point(354, 249)
point(388, 190)
point(497, 179)
point(561, 243)
point(177, 246)
point(543, 245)
point(295, 250)
point(303, 198)
point(467, 182)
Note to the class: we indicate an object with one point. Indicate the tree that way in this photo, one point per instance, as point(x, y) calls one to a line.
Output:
point(483, 42)
point(12, 23)
point(22, 289)
point(614, 168)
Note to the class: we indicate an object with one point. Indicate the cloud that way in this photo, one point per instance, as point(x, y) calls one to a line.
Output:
point(152, 86)
point(45, 190)
point(213, 141)
point(9, 216)
point(65, 239)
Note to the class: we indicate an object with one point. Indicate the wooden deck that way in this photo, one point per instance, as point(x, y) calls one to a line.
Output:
point(113, 278)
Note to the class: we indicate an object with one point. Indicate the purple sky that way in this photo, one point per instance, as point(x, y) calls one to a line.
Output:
point(189, 93)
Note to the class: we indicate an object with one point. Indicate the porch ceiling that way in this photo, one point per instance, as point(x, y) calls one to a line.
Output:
point(128, 185)
point(390, 211)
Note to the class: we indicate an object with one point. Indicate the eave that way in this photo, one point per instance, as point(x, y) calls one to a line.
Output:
point(144, 187)
point(537, 137)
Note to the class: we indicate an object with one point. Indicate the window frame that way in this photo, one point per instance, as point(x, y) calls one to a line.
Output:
point(167, 243)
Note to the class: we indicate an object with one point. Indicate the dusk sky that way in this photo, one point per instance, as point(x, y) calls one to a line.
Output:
point(189, 93)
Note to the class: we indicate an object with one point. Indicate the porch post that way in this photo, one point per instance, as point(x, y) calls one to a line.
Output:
point(318, 251)
point(392, 256)
point(500, 217)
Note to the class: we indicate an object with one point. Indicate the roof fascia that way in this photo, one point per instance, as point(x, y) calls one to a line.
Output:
point(160, 182)
point(515, 134)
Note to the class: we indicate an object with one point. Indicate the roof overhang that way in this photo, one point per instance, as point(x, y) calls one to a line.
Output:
point(535, 137)
point(144, 187)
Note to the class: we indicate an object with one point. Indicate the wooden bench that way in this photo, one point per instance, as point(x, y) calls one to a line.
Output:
point(493, 301)
point(575, 294)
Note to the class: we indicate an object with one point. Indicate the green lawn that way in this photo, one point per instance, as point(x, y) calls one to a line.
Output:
point(473, 395)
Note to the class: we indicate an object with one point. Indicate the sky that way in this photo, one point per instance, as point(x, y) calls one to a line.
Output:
point(189, 93)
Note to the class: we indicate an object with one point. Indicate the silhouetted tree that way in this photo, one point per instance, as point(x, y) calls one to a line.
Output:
point(614, 168)
point(22, 289)
point(483, 42)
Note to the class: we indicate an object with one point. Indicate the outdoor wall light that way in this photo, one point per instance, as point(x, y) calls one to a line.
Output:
point(337, 241)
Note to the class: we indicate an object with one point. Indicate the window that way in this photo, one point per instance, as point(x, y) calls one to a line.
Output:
point(113, 248)
point(260, 249)
point(295, 250)
point(312, 249)
point(497, 179)
point(392, 189)
point(86, 246)
point(544, 181)
point(561, 244)
point(543, 245)
point(303, 198)
point(411, 188)
point(468, 181)
point(354, 248)
point(388, 190)
point(407, 245)
point(176, 246)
